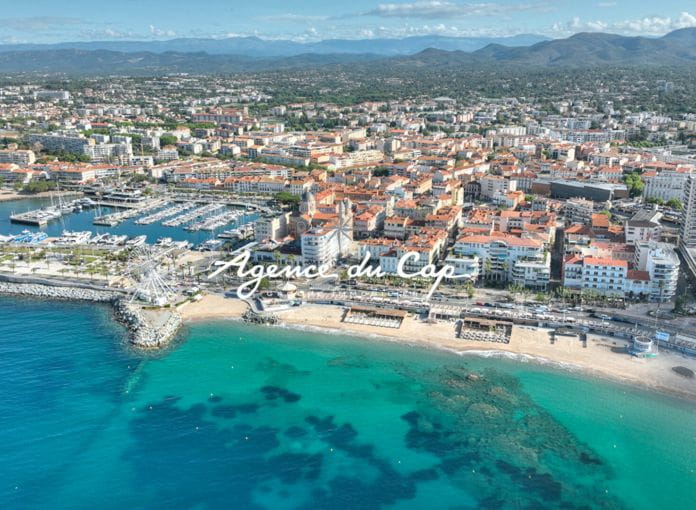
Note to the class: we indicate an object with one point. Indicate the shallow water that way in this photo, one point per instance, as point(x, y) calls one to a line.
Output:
point(243, 417)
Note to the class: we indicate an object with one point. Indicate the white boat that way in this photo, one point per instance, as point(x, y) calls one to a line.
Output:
point(97, 238)
point(211, 245)
point(136, 241)
point(74, 237)
point(164, 241)
point(183, 245)
point(114, 240)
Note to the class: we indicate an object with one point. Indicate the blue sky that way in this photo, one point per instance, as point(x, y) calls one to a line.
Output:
point(43, 21)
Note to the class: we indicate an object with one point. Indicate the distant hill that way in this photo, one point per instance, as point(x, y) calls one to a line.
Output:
point(256, 47)
point(580, 50)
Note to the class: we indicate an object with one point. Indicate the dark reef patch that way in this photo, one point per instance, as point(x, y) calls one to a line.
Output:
point(232, 411)
point(275, 392)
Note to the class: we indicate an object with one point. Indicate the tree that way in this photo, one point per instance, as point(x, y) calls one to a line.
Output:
point(39, 186)
point(487, 268)
point(675, 204)
point(469, 287)
point(635, 183)
point(168, 140)
point(287, 198)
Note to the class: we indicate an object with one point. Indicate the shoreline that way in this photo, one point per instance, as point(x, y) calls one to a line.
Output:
point(601, 356)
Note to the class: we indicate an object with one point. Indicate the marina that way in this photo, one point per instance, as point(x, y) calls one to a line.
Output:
point(164, 214)
point(113, 219)
point(44, 215)
point(217, 221)
point(193, 215)
point(82, 219)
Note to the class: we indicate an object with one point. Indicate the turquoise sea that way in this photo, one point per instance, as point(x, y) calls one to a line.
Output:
point(242, 417)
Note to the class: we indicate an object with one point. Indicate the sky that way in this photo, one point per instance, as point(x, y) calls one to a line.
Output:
point(49, 21)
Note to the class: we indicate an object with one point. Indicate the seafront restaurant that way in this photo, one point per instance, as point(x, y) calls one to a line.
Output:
point(499, 327)
point(369, 316)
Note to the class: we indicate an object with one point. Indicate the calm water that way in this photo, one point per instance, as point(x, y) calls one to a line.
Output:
point(242, 417)
point(82, 221)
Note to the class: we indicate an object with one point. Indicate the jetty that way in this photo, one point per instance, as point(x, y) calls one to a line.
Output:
point(37, 217)
point(164, 214)
point(113, 219)
point(216, 221)
point(193, 215)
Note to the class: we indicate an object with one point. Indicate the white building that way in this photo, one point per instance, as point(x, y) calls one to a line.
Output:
point(662, 264)
point(508, 259)
point(18, 157)
point(604, 275)
point(688, 227)
point(492, 185)
point(467, 266)
point(272, 228)
point(320, 246)
point(167, 154)
point(578, 210)
point(666, 185)
point(643, 226)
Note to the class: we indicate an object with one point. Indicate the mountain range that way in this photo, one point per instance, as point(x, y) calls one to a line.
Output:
point(257, 47)
point(579, 50)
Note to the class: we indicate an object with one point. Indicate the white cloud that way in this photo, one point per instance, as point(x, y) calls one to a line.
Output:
point(606, 5)
point(437, 9)
point(159, 32)
point(649, 25)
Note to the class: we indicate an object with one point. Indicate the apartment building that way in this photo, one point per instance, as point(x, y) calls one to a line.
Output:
point(508, 259)
point(688, 226)
point(18, 157)
point(604, 275)
point(51, 142)
point(652, 274)
point(578, 210)
point(665, 185)
point(661, 263)
point(167, 154)
point(251, 184)
point(320, 246)
point(271, 228)
point(644, 226)
point(492, 185)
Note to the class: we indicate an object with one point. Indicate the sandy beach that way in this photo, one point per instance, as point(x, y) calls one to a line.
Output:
point(212, 306)
point(602, 356)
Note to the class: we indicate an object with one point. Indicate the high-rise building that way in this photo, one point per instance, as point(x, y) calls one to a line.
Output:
point(688, 227)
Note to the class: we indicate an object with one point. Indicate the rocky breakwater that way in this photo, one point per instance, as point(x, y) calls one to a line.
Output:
point(149, 329)
point(57, 292)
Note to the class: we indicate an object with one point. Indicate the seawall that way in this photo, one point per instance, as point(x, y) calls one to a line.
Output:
point(150, 330)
